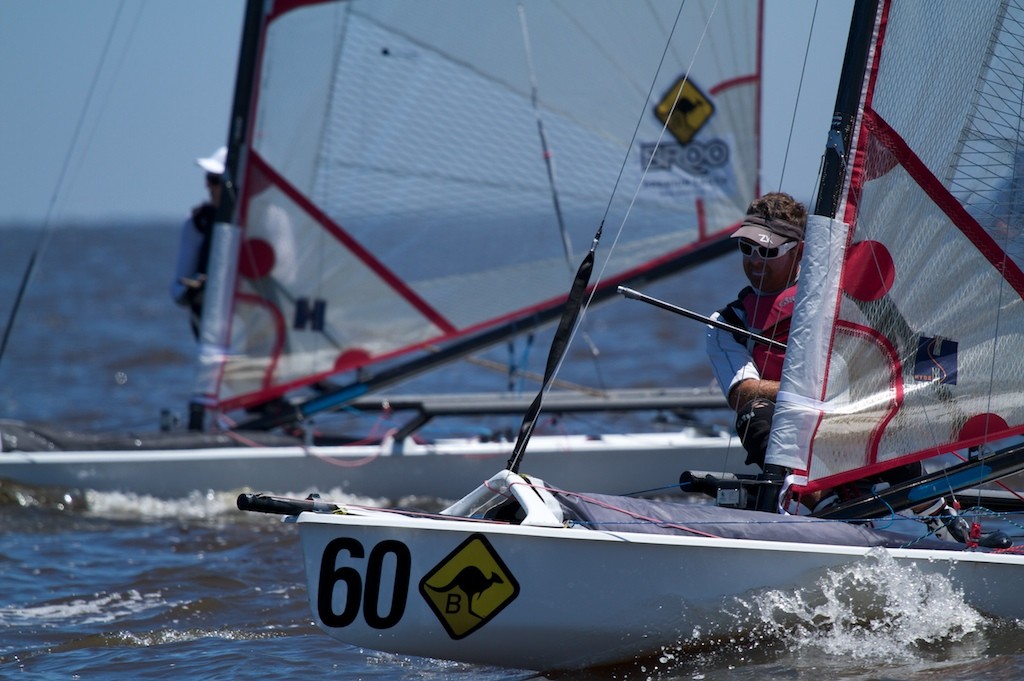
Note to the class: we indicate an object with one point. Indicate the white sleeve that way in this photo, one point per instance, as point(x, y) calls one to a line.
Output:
point(731, 361)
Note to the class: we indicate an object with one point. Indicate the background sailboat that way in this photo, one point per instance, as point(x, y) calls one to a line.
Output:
point(364, 133)
point(421, 181)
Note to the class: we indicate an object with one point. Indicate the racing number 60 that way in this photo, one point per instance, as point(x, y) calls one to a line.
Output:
point(355, 594)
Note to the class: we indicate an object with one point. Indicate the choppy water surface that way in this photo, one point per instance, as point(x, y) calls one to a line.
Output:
point(112, 586)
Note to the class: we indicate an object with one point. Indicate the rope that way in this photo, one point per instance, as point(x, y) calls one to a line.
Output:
point(44, 238)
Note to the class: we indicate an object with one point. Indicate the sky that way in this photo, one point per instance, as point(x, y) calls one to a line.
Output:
point(160, 98)
point(107, 103)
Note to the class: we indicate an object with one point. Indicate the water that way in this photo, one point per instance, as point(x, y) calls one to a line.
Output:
point(113, 586)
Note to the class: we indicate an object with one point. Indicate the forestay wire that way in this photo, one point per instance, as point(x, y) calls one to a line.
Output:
point(44, 239)
point(559, 344)
point(577, 300)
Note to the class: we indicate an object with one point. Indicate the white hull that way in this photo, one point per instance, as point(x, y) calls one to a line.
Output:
point(391, 470)
point(572, 597)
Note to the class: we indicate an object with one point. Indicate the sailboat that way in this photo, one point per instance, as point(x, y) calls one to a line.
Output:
point(408, 183)
point(903, 348)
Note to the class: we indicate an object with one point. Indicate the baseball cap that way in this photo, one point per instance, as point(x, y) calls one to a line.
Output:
point(770, 232)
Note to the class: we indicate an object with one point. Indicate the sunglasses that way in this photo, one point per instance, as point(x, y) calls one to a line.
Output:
point(212, 179)
point(748, 249)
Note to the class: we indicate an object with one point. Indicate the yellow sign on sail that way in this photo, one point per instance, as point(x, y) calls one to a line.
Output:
point(685, 110)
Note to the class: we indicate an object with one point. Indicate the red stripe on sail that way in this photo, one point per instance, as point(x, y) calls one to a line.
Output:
point(942, 198)
point(284, 6)
point(886, 348)
point(386, 275)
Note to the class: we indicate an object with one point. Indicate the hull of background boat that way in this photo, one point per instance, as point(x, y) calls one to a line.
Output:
point(445, 469)
point(572, 598)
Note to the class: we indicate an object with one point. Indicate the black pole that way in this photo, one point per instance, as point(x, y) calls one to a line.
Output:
point(763, 340)
point(238, 127)
point(851, 79)
point(265, 503)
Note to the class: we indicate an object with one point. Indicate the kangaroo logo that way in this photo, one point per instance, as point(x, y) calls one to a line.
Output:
point(472, 583)
point(684, 109)
point(469, 587)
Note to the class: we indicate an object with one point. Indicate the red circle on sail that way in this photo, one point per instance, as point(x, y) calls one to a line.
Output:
point(256, 259)
point(983, 426)
point(869, 271)
point(351, 359)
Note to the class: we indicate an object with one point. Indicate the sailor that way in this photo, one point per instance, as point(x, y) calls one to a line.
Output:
point(771, 243)
point(770, 240)
point(194, 247)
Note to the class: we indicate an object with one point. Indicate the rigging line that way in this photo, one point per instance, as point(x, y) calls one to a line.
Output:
point(625, 160)
point(577, 300)
point(549, 159)
point(105, 99)
point(44, 238)
point(661, 135)
point(796, 102)
point(82, 114)
point(533, 376)
point(639, 517)
point(549, 162)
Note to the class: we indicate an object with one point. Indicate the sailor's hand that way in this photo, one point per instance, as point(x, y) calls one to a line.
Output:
point(193, 282)
point(754, 425)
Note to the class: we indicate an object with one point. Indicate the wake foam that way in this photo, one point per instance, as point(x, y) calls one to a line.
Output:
point(876, 608)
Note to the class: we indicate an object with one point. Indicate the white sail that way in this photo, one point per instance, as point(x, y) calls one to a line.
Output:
point(394, 191)
point(910, 326)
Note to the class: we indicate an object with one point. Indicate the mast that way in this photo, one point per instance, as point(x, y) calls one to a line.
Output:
point(848, 104)
point(241, 107)
point(833, 178)
point(238, 127)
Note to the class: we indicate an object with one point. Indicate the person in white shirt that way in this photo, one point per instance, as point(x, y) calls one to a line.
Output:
point(194, 247)
point(771, 243)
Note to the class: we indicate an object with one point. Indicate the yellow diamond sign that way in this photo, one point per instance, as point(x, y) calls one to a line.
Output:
point(469, 587)
point(685, 110)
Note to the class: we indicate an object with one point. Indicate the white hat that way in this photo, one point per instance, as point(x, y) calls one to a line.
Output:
point(215, 163)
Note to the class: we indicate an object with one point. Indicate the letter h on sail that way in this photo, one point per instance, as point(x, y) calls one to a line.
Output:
point(310, 315)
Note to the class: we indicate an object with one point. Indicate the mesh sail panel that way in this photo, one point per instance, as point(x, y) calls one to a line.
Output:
point(924, 352)
point(396, 193)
